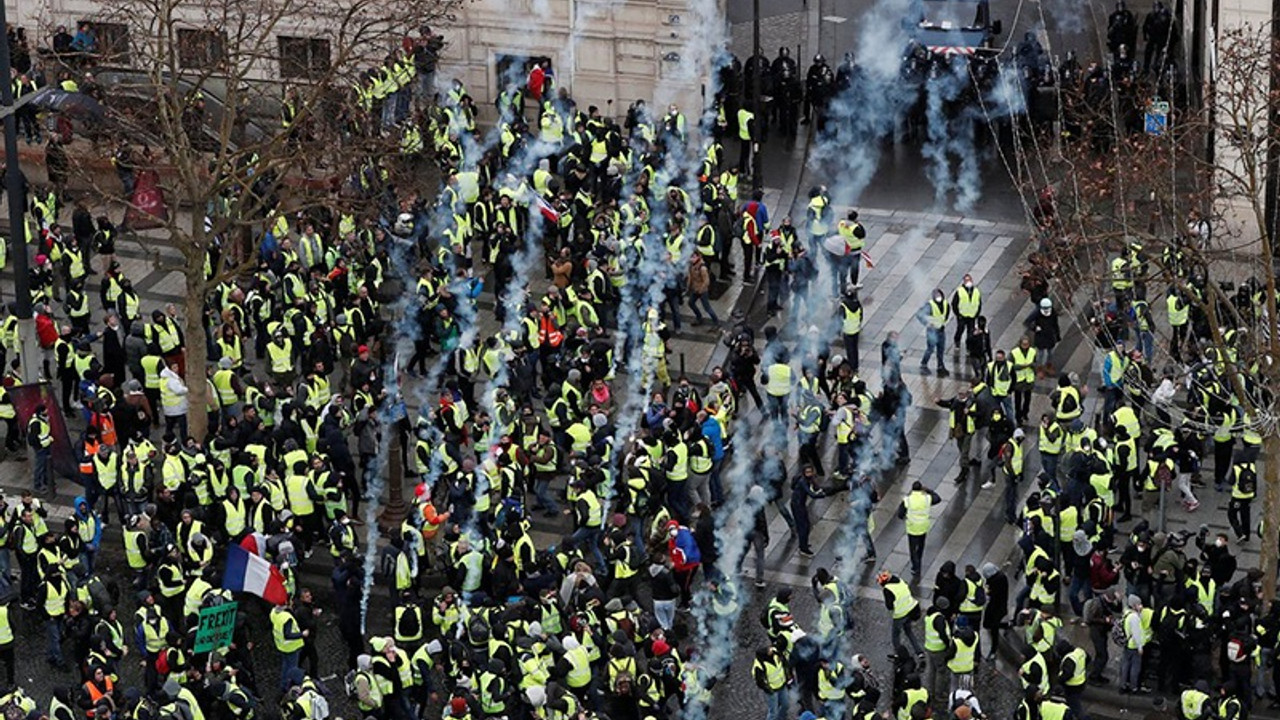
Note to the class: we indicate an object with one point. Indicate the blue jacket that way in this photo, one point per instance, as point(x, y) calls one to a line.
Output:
point(688, 545)
point(711, 431)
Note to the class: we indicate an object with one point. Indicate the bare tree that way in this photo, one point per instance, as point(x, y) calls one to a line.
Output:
point(252, 108)
point(1129, 214)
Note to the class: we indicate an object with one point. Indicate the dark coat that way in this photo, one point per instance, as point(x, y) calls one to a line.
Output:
point(997, 606)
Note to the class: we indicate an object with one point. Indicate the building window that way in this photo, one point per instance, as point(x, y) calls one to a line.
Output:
point(113, 41)
point(301, 57)
point(516, 68)
point(201, 49)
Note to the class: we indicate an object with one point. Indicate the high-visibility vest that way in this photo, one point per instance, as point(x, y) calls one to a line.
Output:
point(1239, 491)
point(296, 487)
point(6, 630)
point(817, 216)
point(195, 596)
point(939, 313)
point(918, 503)
point(55, 598)
point(914, 697)
point(970, 604)
point(966, 653)
point(283, 623)
point(579, 675)
point(595, 510)
point(849, 229)
point(1068, 522)
point(1001, 378)
point(969, 301)
point(408, 624)
point(1193, 703)
point(281, 356)
point(1131, 642)
point(775, 673)
point(375, 690)
point(226, 393)
point(1179, 311)
point(108, 471)
point(745, 117)
point(42, 430)
point(154, 633)
point(934, 640)
point(151, 366)
point(1080, 660)
point(1120, 274)
point(903, 601)
point(828, 689)
point(680, 468)
point(1024, 362)
point(701, 462)
point(778, 380)
point(1068, 403)
point(1115, 369)
point(852, 324)
point(1015, 462)
point(1053, 710)
point(133, 549)
point(1036, 661)
point(169, 398)
point(235, 516)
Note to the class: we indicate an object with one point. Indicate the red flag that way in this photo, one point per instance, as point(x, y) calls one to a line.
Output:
point(147, 208)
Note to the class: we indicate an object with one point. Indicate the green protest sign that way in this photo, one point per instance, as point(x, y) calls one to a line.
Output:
point(217, 624)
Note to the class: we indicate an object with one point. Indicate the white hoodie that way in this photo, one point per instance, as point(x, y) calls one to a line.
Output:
point(178, 387)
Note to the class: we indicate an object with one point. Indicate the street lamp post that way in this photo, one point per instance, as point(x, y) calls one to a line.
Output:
point(17, 223)
point(757, 182)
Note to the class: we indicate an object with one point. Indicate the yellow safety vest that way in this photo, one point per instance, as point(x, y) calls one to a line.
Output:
point(1024, 362)
point(903, 602)
point(939, 313)
point(966, 652)
point(579, 675)
point(969, 301)
point(299, 499)
point(745, 117)
point(281, 356)
point(282, 623)
point(778, 380)
point(918, 504)
point(1193, 702)
point(226, 393)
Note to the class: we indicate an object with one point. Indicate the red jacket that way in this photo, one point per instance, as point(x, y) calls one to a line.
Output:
point(46, 331)
point(1102, 574)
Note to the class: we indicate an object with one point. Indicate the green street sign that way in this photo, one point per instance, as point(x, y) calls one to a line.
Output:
point(217, 625)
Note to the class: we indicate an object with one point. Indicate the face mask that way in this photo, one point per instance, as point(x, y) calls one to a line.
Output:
point(968, 286)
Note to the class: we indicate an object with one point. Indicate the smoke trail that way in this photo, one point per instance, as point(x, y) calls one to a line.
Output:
point(389, 413)
point(870, 108)
point(735, 520)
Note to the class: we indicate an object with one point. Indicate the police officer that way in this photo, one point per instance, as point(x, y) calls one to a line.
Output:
point(819, 83)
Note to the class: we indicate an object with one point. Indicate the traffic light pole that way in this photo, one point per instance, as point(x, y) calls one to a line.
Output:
point(28, 348)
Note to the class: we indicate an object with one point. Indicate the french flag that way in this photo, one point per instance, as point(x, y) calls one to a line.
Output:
point(247, 572)
point(255, 543)
point(547, 209)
